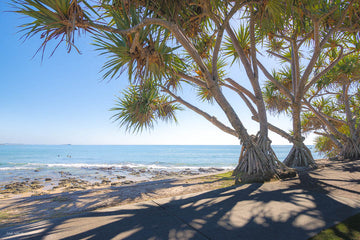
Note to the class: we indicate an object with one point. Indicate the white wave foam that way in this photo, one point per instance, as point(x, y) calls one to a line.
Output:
point(126, 165)
point(16, 168)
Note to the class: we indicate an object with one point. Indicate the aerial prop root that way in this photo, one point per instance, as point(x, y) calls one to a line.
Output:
point(300, 156)
point(258, 162)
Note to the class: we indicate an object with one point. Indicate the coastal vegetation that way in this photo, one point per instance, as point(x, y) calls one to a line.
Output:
point(165, 46)
point(336, 100)
point(347, 229)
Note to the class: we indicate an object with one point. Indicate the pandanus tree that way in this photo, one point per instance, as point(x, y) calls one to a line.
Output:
point(164, 45)
point(332, 108)
point(299, 39)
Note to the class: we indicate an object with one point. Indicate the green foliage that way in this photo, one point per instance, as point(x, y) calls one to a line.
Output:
point(275, 101)
point(189, 15)
point(53, 20)
point(243, 37)
point(348, 69)
point(145, 54)
point(153, 59)
point(347, 229)
point(326, 146)
point(141, 106)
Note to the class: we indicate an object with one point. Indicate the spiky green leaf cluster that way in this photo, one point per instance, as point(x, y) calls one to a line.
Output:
point(54, 19)
point(141, 106)
point(243, 37)
point(145, 54)
point(326, 146)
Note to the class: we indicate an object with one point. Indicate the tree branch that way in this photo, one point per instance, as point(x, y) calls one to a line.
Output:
point(324, 121)
point(279, 56)
point(192, 79)
point(276, 130)
point(220, 37)
point(172, 27)
point(239, 88)
point(281, 88)
point(240, 51)
point(322, 73)
point(244, 98)
point(319, 45)
point(211, 119)
point(332, 137)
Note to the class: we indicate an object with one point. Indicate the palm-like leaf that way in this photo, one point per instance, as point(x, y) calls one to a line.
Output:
point(141, 106)
point(275, 101)
point(325, 145)
point(243, 37)
point(145, 54)
point(53, 19)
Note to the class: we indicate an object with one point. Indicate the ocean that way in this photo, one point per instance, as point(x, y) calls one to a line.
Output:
point(88, 161)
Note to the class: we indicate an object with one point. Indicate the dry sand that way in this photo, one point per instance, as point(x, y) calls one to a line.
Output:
point(27, 207)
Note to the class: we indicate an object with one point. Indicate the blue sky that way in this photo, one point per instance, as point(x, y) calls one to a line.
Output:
point(63, 99)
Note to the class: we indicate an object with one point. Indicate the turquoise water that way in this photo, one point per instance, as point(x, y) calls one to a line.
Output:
point(44, 160)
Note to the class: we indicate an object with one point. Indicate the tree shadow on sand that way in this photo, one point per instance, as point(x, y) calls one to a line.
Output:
point(295, 209)
point(47, 206)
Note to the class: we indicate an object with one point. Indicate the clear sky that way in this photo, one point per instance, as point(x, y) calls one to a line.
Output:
point(63, 99)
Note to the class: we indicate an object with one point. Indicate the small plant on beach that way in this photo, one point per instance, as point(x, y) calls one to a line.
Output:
point(347, 229)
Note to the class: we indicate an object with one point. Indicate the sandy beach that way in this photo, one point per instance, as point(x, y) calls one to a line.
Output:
point(39, 204)
point(73, 195)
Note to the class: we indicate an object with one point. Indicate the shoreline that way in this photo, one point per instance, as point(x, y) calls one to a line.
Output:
point(27, 207)
point(104, 178)
point(45, 182)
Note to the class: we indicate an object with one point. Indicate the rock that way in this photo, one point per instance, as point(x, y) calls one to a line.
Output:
point(106, 168)
point(128, 182)
point(215, 169)
point(105, 181)
point(120, 177)
point(47, 179)
point(116, 184)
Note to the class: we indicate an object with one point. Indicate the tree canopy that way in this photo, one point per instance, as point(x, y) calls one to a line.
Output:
point(163, 45)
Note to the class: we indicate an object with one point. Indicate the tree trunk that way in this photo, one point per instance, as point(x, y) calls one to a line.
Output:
point(250, 167)
point(300, 155)
point(351, 149)
point(253, 169)
point(254, 164)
